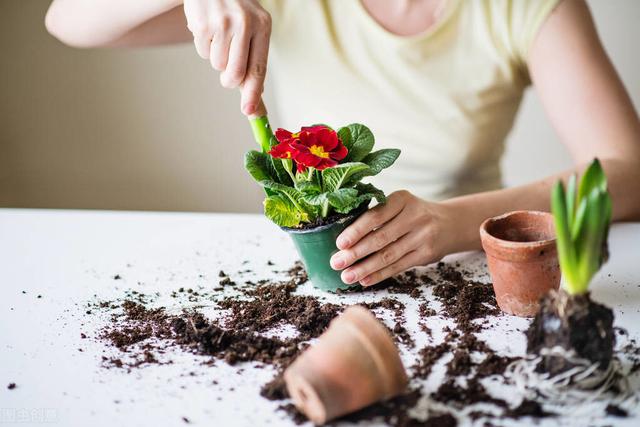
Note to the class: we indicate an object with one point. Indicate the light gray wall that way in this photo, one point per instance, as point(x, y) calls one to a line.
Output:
point(152, 129)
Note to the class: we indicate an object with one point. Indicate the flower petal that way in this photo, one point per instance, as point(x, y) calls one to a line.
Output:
point(283, 135)
point(340, 153)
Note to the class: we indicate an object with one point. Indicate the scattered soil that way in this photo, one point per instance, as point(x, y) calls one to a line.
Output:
point(616, 411)
point(528, 408)
point(575, 323)
point(395, 412)
point(254, 310)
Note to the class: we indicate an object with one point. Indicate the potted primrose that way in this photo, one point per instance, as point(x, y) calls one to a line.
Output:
point(570, 330)
point(313, 184)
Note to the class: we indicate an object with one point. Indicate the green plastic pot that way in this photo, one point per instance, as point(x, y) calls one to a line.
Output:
point(316, 246)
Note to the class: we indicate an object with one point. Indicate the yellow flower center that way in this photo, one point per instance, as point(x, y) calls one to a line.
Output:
point(318, 151)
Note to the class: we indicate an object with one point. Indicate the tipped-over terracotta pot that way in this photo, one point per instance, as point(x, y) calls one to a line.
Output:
point(522, 258)
point(354, 364)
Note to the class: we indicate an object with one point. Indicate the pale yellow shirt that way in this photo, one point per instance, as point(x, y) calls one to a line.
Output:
point(447, 98)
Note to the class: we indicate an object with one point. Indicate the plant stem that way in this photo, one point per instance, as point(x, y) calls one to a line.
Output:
point(288, 167)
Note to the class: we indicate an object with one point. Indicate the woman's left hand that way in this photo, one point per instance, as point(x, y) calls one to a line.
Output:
point(391, 238)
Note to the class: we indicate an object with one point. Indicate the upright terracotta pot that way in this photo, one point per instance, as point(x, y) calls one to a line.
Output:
point(522, 258)
point(354, 364)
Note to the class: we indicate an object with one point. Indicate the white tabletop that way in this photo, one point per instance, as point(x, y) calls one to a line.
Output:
point(69, 258)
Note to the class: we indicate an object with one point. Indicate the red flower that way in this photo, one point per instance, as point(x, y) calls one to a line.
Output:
point(315, 146)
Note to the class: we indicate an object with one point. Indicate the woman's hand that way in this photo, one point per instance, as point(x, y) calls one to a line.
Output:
point(390, 238)
point(234, 36)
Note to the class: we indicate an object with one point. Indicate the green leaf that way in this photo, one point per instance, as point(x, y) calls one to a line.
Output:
point(281, 173)
point(342, 198)
point(571, 197)
point(593, 177)
point(333, 178)
point(373, 191)
point(381, 159)
point(566, 252)
point(308, 187)
point(377, 161)
point(280, 210)
point(344, 134)
point(590, 241)
point(258, 165)
point(361, 142)
point(294, 195)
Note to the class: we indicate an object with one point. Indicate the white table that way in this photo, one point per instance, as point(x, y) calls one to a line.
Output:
point(69, 258)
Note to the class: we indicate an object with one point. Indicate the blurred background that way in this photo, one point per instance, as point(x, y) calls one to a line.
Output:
point(151, 129)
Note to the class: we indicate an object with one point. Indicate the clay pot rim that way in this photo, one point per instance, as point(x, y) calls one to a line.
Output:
point(485, 235)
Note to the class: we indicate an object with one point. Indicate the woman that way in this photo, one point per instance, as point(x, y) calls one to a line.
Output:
point(440, 79)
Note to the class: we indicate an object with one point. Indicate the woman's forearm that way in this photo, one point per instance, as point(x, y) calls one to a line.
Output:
point(622, 176)
point(93, 23)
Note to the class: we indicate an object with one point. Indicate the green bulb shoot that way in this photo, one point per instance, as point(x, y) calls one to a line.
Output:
point(582, 215)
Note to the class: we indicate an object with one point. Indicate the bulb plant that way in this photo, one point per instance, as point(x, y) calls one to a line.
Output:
point(316, 172)
point(569, 319)
point(582, 216)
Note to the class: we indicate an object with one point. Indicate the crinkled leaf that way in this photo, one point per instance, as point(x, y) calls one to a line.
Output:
point(342, 198)
point(333, 178)
point(370, 189)
point(258, 165)
point(280, 171)
point(296, 197)
point(315, 199)
point(361, 142)
point(345, 137)
point(308, 187)
point(377, 161)
point(381, 159)
point(280, 210)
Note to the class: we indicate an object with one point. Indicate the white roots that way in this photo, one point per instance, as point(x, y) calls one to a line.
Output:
point(584, 390)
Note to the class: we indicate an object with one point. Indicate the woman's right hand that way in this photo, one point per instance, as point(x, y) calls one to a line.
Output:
point(234, 36)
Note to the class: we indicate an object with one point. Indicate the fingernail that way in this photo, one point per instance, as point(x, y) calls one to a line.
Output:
point(342, 242)
point(337, 262)
point(348, 277)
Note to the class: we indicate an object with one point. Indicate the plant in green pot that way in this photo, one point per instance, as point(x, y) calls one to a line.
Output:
point(313, 185)
point(570, 330)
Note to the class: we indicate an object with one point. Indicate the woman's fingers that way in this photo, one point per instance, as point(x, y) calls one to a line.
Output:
point(220, 50)
point(374, 241)
point(203, 45)
point(253, 84)
point(407, 261)
point(234, 36)
point(371, 220)
point(236, 68)
point(387, 256)
point(197, 22)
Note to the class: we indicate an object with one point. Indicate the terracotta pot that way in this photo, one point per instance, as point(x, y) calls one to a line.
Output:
point(354, 364)
point(522, 257)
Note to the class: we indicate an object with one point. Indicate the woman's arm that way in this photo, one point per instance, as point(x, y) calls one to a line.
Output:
point(590, 110)
point(233, 35)
point(97, 23)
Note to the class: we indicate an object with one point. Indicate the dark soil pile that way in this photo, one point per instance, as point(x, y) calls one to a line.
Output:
point(574, 323)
